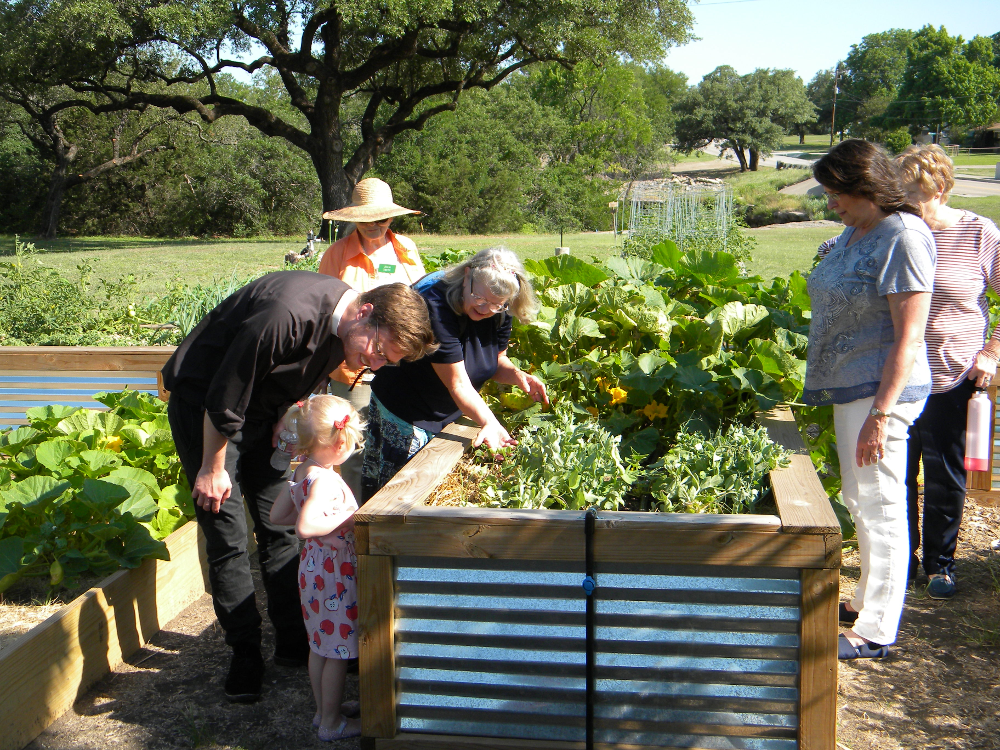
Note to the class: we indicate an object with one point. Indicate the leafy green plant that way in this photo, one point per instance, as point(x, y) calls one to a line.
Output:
point(562, 460)
point(445, 258)
point(88, 492)
point(719, 473)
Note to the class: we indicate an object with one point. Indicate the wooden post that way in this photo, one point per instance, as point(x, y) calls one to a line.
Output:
point(818, 659)
point(377, 665)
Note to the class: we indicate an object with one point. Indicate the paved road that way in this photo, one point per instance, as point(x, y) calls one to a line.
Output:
point(966, 186)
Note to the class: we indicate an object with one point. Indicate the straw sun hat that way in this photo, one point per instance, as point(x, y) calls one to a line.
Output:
point(370, 201)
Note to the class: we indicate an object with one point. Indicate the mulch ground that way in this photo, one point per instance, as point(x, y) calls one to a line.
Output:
point(940, 689)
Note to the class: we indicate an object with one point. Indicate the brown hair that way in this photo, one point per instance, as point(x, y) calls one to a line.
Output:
point(860, 168)
point(316, 422)
point(929, 167)
point(400, 310)
point(500, 271)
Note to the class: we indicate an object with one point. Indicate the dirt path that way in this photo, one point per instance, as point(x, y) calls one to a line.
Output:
point(939, 690)
point(170, 696)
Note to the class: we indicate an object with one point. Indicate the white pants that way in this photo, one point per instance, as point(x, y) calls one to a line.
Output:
point(876, 497)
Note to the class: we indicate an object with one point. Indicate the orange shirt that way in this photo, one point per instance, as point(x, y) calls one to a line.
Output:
point(396, 260)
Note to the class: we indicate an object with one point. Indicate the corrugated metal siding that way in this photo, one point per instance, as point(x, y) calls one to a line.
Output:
point(687, 657)
point(22, 391)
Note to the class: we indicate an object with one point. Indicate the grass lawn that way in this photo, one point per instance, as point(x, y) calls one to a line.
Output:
point(786, 248)
point(967, 160)
point(158, 262)
point(988, 206)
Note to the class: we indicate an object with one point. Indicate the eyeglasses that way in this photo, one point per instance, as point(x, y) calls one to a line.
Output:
point(381, 222)
point(377, 346)
point(832, 196)
point(482, 302)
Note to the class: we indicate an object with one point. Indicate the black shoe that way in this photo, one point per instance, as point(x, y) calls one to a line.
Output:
point(246, 675)
point(847, 616)
point(294, 653)
point(867, 650)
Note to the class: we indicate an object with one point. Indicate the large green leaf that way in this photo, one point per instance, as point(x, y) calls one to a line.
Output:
point(712, 267)
point(141, 476)
point(49, 415)
point(643, 442)
point(635, 271)
point(667, 254)
point(84, 419)
point(11, 552)
point(34, 490)
point(161, 441)
point(800, 292)
point(52, 454)
point(99, 461)
point(137, 543)
point(12, 441)
point(140, 502)
point(569, 270)
point(106, 531)
point(572, 328)
point(736, 317)
point(135, 435)
point(177, 496)
point(103, 494)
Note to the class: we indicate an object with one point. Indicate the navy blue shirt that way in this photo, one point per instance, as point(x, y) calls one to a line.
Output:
point(414, 392)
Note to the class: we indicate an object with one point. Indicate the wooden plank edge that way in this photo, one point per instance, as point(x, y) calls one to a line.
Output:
point(58, 660)
point(803, 504)
point(818, 660)
point(376, 663)
point(442, 514)
point(677, 546)
point(415, 481)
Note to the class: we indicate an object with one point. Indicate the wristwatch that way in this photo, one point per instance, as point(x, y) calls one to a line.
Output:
point(873, 412)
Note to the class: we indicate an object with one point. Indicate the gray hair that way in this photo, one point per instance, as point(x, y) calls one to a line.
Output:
point(502, 272)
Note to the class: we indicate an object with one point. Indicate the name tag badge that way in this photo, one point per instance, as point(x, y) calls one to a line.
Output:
point(387, 268)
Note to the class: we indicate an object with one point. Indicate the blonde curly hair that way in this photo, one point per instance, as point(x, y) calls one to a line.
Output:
point(927, 166)
point(316, 421)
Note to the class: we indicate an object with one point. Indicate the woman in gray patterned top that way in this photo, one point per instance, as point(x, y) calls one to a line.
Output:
point(870, 296)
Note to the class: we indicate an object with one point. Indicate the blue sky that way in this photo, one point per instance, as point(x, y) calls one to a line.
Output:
point(806, 35)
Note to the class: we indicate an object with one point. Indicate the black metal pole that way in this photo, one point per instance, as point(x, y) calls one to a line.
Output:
point(589, 584)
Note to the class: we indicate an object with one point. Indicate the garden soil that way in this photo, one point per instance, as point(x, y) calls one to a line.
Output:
point(939, 690)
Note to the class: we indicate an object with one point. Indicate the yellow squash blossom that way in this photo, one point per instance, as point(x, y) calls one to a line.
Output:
point(653, 410)
point(593, 411)
point(617, 395)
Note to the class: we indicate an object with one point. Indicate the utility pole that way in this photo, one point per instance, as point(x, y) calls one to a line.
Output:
point(833, 116)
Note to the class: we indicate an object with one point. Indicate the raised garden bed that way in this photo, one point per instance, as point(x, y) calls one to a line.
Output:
point(710, 631)
point(53, 664)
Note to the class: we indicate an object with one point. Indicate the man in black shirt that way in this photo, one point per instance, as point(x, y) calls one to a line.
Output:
point(231, 380)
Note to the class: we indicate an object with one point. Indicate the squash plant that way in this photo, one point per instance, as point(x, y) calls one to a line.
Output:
point(83, 491)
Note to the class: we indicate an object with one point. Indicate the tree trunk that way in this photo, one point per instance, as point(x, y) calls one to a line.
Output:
point(336, 186)
point(754, 159)
point(802, 135)
point(741, 157)
point(53, 204)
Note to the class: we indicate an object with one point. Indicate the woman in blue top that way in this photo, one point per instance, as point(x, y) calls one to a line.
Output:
point(870, 297)
point(471, 307)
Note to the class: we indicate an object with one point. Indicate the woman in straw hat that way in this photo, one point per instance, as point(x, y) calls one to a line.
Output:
point(369, 257)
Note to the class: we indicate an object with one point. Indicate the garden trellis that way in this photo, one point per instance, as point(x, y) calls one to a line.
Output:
point(680, 212)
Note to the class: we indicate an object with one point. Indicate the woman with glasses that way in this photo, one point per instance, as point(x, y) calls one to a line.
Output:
point(870, 296)
point(366, 258)
point(472, 305)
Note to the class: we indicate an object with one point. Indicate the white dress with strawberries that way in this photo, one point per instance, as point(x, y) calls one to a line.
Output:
point(327, 578)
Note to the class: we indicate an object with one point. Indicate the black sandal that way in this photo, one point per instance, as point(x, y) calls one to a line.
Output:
point(867, 650)
point(847, 616)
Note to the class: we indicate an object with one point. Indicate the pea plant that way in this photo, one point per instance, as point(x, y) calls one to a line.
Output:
point(83, 491)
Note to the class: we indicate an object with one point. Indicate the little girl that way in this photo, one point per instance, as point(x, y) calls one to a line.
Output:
point(322, 507)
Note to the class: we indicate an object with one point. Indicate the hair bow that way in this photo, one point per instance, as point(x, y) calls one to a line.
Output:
point(342, 423)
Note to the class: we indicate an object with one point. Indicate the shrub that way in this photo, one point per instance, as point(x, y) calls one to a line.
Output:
point(84, 491)
point(561, 461)
point(718, 473)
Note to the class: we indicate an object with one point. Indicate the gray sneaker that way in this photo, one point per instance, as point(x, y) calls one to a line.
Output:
point(942, 586)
